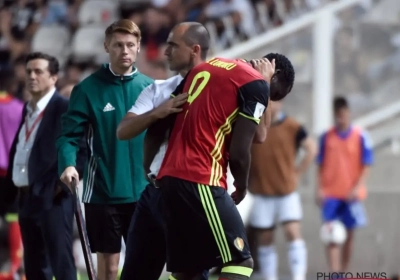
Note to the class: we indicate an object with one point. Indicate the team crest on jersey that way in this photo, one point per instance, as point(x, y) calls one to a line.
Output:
point(239, 243)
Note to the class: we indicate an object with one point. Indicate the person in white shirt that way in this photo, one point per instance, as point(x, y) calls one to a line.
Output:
point(145, 249)
point(46, 206)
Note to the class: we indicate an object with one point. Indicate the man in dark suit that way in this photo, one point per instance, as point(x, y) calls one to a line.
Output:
point(46, 206)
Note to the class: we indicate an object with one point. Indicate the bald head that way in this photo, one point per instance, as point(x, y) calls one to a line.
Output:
point(194, 33)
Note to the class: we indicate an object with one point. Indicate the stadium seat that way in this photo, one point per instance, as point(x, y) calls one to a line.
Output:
point(214, 44)
point(88, 42)
point(262, 16)
point(52, 39)
point(98, 12)
point(229, 37)
point(133, 2)
point(385, 12)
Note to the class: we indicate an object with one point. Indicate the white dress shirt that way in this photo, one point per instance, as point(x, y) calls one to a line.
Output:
point(152, 97)
point(24, 146)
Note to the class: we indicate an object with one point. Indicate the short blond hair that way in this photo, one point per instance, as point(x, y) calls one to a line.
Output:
point(123, 26)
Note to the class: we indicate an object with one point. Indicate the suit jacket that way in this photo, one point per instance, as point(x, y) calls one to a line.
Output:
point(42, 166)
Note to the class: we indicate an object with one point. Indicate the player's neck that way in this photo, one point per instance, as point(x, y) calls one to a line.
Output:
point(342, 128)
point(183, 72)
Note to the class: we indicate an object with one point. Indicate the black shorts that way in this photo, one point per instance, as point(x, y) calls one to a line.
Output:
point(106, 224)
point(203, 226)
point(145, 252)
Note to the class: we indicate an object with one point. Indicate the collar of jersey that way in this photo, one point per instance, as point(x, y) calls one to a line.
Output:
point(125, 75)
point(105, 73)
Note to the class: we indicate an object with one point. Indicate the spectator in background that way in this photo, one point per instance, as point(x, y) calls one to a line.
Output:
point(11, 46)
point(66, 90)
point(271, 9)
point(346, 62)
point(345, 154)
point(155, 24)
point(73, 74)
point(240, 12)
point(156, 27)
point(26, 18)
point(45, 205)
point(55, 12)
point(18, 86)
point(10, 111)
point(10, 119)
point(159, 71)
point(61, 12)
point(192, 10)
point(20, 19)
point(273, 180)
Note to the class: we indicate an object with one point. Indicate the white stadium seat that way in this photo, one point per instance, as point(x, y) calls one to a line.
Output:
point(53, 40)
point(137, 2)
point(88, 42)
point(98, 12)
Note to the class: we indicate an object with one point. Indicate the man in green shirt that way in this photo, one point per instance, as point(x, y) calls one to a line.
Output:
point(114, 176)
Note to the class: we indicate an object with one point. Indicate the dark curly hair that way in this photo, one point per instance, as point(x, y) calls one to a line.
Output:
point(54, 65)
point(340, 103)
point(283, 63)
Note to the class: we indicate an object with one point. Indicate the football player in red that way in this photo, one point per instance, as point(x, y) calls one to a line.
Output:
point(226, 100)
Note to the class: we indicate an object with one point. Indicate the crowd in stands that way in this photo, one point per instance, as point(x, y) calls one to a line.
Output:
point(231, 21)
point(366, 46)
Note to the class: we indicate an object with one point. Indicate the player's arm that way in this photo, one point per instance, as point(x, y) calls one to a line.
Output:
point(73, 130)
point(367, 157)
point(308, 144)
point(143, 114)
point(267, 69)
point(253, 99)
point(139, 117)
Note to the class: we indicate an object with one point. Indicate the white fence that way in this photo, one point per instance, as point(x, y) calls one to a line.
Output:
point(335, 50)
point(316, 73)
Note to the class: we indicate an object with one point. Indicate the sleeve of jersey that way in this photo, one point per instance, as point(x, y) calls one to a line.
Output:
point(321, 149)
point(253, 99)
point(144, 103)
point(367, 149)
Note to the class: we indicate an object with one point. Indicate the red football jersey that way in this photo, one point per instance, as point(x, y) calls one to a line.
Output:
point(219, 90)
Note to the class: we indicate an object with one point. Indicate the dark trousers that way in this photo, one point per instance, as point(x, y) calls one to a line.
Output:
point(145, 254)
point(47, 239)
